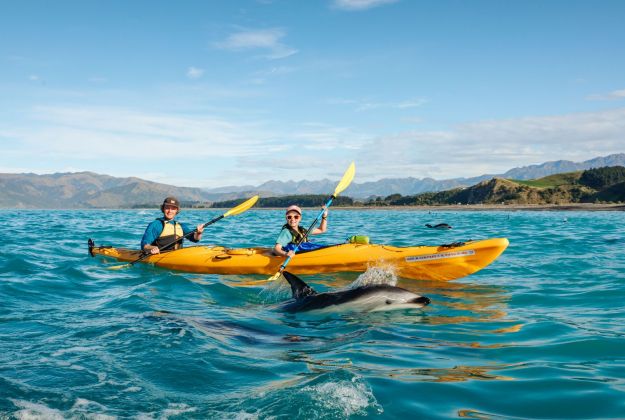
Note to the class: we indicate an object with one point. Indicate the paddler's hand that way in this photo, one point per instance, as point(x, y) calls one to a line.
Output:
point(290, 254)
point(198, 231)
point(155, 250)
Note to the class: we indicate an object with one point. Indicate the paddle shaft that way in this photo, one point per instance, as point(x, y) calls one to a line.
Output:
point(303, 238)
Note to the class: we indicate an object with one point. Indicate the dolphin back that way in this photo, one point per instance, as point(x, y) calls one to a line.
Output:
point(299, 289)
point(438, 226)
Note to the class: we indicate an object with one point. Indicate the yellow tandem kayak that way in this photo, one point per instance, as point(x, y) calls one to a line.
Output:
point(442, 262)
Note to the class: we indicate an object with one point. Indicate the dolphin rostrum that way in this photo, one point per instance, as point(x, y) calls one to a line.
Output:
point(379, 297)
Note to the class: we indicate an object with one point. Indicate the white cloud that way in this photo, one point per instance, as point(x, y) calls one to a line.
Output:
point(294, 167)
point(367, 106)
point(263, 76)
point(265, 39)
point(277, 70)
point(494, 146)
point(611, 96)
point(315, 136)
point(238, 152)
point(360, 4)
point(194, 72)
point(96, 132)
point(361, 105)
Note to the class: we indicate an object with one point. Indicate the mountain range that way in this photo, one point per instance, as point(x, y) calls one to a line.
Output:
point(410, 185)
point(91, 190)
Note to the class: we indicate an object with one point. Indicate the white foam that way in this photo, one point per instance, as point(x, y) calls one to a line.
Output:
point(175, 409)
point(378, 274)
point(274, 291)
point(82, 408)
point(31, 411)
point(344, 397)
point(77, 349)
point(90, 410)
point(244, 416)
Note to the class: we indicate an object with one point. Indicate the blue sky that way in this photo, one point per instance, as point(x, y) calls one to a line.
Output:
point(213, 93)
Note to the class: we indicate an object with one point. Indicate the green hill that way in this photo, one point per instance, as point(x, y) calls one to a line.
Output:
point(551, 181)
point(593, 185)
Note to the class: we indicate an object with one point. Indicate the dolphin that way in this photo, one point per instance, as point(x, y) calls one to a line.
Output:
point(380, 297)
point(438, 226)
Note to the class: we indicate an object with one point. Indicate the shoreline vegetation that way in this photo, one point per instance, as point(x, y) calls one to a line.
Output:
point(471, 207)
point(430, 208)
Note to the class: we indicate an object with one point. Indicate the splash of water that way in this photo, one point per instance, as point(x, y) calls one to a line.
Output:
point(378, 274)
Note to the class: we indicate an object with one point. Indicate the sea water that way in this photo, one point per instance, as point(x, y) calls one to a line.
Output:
point(537, 334)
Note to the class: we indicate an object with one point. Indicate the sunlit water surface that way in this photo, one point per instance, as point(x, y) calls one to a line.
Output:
point(538, 334)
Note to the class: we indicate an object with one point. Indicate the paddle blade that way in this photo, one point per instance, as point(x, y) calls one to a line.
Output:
point(118, 267)
point(257, 282)
point(246, 205)
point(274, 277)
point(249, 283)
point(348, 176)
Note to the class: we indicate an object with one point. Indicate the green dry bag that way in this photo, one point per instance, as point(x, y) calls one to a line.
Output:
point(358, 239)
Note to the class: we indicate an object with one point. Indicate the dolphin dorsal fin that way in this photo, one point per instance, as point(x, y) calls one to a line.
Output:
point(298, 287)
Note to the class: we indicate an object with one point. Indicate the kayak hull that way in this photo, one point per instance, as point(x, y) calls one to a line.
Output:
point(441, 263)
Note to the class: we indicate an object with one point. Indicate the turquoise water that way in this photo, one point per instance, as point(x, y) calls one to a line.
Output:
point(538, 334)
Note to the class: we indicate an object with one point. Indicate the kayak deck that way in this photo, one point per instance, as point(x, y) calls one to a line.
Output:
point(442, 262)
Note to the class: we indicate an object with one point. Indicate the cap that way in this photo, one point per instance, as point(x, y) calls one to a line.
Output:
point(294, 208)
point(171, 201)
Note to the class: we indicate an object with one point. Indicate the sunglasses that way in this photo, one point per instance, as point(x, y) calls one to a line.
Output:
point(293, 216)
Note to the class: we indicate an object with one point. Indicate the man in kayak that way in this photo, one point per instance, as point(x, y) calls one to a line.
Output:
point(165, 233)
point(292, 233)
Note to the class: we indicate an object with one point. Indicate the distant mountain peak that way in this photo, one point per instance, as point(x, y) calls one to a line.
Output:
point(87, 189)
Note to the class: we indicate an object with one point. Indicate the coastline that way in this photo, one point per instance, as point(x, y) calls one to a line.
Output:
point(478, 207)
point(454, 207)
point(505, 207)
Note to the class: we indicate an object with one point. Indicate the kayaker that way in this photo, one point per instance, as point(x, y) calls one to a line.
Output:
point(161, 234)
point(292, 232)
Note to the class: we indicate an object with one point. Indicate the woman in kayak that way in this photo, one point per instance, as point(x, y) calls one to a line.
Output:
point(165, 233)
point(292, 233)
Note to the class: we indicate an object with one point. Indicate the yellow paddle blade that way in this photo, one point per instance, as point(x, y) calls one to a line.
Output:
point(274, 277)
point(256, 282)
point(249, 283)
point(346, 180)
point(118, 267)
point(246, 205)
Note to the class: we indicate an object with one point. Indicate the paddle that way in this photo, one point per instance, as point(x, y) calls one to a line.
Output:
point(246, 205)
point(348, 176)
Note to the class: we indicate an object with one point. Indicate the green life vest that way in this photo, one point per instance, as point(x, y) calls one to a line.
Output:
point(296, 236)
